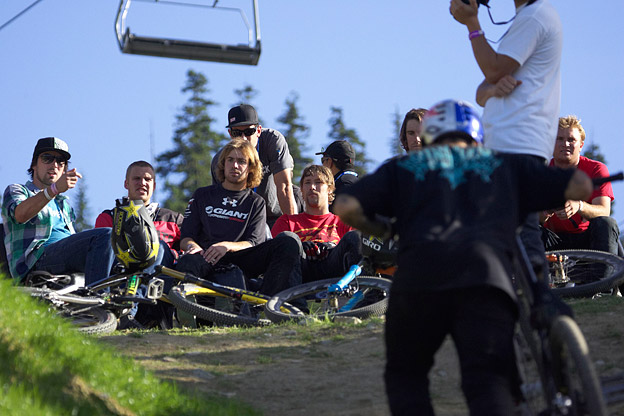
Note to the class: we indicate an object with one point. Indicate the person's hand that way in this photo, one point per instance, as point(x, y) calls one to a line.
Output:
point(68, 180)
point(215, 252)
point(464, 13)
point(569, 209)
point(316, 250)
point(505, 86)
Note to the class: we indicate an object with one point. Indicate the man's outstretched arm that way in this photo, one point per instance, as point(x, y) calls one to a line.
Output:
point(350, 212)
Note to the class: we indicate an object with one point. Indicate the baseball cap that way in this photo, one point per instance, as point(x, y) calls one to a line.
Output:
point(340, 150)
point(242, 115)
point(51, 144)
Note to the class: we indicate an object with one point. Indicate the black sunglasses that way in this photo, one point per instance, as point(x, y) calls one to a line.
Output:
point(247, 132)
point(48, 158)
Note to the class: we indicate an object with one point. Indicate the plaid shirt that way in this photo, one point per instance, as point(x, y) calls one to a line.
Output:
point(24, 242)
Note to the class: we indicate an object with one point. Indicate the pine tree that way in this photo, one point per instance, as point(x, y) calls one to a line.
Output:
point(81, 208)
point(394, 143)
point(295, 132)
point(187, 166)
point(592, 151)
point(338, 131)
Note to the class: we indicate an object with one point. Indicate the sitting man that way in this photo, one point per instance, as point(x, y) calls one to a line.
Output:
point(140, 182)
point(331, 247)
point(581, 224)
point(38, 221)
point(226, 223)
point(339, 157)
point(457, 207)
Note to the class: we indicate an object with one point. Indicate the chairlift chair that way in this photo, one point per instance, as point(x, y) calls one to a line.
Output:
point(184, 49)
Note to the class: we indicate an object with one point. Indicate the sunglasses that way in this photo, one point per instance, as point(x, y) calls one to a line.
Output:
point(48, 158)
point(247, 132)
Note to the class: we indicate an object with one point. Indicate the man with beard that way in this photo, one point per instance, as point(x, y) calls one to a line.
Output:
point(226, 223)
point(330, 246)
point(38, 221)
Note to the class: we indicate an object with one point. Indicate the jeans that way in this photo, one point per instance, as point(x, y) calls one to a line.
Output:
point(481, 322)
point(602, 234)
point(347, 253)
point(89, 252)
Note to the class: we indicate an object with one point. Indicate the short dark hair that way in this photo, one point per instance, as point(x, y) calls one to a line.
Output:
point(141, 164)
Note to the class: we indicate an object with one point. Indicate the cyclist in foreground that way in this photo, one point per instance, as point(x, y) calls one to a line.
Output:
point(456, 207)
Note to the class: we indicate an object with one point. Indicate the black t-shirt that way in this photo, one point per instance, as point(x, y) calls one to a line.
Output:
point(215, 214)
point(457, 211)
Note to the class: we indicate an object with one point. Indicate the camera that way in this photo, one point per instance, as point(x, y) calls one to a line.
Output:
point(479, 2)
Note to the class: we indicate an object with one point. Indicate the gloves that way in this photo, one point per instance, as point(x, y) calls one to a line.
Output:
point(316, 250)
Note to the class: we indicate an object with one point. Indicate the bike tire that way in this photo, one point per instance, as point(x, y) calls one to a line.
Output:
point(585, 281)
point(574, 374)
point(377, 286)
point(86, 319)
point(224, 314)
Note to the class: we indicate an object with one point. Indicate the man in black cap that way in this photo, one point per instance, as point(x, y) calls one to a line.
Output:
point(38, 221)
point(277, 163)
point(339, 158)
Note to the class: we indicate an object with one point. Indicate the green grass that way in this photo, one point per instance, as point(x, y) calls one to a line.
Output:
point(48, 368)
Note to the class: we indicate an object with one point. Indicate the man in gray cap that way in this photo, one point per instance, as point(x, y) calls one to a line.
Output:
point(339, 157)
point(277, 163)
point(38, 221)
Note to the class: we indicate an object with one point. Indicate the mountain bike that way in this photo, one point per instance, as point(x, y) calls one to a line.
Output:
point(217, 303)
point(362, 292)
point(95, 308)
point(579, 273)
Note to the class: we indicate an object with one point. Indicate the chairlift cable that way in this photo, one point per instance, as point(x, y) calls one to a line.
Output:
point(19, 14)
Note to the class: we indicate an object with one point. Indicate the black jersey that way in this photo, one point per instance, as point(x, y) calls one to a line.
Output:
point(457, 211)
point(215, 214)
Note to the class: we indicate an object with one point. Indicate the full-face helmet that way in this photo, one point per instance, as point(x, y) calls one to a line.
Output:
point(452, 118)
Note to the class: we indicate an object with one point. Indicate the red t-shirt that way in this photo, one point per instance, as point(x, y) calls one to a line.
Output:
point(321, 228)
point(593, 169)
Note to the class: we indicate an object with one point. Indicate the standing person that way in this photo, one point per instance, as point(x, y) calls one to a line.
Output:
point(331, 246)
point(38, 221)
point(582, 224)
point(339, 158)
point(140, 182)
point(411, 129)
point(227, 222)
point(277, 163)
point(456, 207)
point(521, 92)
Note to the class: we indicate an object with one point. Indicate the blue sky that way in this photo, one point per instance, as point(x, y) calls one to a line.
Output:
point(62, 74)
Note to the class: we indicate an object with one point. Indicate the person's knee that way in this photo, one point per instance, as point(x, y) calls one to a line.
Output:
point(604, 224)
point(288, 243)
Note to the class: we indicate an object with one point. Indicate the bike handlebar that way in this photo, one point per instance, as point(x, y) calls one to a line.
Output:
point(612, 178)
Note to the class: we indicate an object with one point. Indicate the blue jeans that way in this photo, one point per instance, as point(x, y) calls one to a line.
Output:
point(89, 252)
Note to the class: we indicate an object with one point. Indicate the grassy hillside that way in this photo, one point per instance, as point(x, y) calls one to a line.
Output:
point(50, 369)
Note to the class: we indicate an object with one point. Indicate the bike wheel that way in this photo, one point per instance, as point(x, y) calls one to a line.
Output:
point(81, 311)
point(374, 301)
point(213, 307)
point(585, 272)
point(573, 372)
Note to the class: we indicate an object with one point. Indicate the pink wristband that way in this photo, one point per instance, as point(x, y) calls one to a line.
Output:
point(475, 34)
point(53, 188)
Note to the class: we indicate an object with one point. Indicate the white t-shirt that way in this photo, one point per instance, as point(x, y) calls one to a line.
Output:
point(526, 120)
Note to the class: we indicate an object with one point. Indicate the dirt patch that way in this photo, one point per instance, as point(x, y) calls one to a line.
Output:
point(337, 369)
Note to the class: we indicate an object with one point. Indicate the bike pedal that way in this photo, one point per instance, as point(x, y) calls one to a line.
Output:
point(155, 288)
